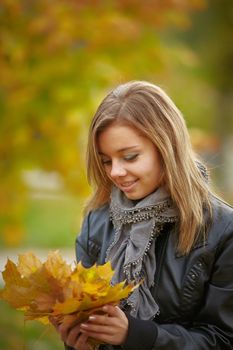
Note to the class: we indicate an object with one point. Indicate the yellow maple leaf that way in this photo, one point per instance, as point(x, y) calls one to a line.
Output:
point(54, 288)
point(58, 267)
point(28, 263)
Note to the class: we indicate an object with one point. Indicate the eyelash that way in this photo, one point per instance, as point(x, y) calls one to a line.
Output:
point(106, 162)
point(126, 158)
point(131, 157)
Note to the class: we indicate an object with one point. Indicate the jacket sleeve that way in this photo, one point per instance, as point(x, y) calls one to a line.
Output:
point(95, 236)
point(83, 251)
point(85, 248)
point(213, 326)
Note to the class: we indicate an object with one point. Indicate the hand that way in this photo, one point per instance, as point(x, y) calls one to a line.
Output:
point(111, 328)
point(70, 333)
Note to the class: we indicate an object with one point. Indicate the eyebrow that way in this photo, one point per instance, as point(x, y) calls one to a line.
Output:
point(121, 149)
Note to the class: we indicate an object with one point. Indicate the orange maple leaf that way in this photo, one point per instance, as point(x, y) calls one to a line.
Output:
point(53, 288)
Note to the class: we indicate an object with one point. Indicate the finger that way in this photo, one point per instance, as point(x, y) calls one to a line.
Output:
point(100, 337)
point(101, 320)
point(65, 331)
point(112, 311)
point(72, 336)
point(67, 324)
point(88, 328)
point(81, 342)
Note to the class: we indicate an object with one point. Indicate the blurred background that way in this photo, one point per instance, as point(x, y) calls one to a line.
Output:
point(58, 59)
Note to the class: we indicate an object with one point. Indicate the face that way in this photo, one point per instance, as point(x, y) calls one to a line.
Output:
point(131, 161)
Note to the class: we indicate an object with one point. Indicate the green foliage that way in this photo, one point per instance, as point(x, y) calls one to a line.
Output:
point(15, 334)
point(56, 60)
point(52, 223)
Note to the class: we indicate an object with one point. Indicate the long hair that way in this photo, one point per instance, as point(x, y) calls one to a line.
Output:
point(149, 109)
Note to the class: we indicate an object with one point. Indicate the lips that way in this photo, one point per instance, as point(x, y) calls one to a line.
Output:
point(127, 185)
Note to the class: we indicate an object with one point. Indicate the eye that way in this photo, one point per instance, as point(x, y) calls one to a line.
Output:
point(131, 157)
point(106, 161)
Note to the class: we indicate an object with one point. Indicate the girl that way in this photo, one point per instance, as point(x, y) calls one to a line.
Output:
point(155, 218)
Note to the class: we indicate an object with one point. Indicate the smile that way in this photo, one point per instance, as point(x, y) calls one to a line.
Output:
point(127, 186)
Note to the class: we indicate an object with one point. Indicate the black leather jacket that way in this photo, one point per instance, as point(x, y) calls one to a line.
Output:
point(194, 292)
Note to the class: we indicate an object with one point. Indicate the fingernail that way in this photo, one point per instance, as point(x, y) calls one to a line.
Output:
point(84, 325)
point(92, 318)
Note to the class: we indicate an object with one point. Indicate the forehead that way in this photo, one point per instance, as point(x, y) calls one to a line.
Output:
point(117, 138)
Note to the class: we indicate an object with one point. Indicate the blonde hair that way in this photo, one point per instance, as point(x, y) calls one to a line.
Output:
point(149, 109)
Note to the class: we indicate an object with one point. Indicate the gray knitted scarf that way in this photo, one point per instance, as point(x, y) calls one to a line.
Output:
point(132, 252)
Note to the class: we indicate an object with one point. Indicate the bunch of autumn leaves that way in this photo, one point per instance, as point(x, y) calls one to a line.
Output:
point(54, 288)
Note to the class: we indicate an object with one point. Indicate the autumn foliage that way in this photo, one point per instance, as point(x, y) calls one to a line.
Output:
point(57, 59)
point(54, 288)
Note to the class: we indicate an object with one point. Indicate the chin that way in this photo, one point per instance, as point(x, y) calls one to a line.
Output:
point(133, 196)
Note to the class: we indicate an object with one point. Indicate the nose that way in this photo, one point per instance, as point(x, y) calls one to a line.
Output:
point(117, 170)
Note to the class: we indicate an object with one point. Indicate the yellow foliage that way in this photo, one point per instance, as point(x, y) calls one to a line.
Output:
point(53, 288)
point(12, 234)
point(56, 62)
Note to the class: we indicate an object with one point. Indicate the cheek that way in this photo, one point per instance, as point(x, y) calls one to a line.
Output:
point(152, 170)
point(147, 167)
